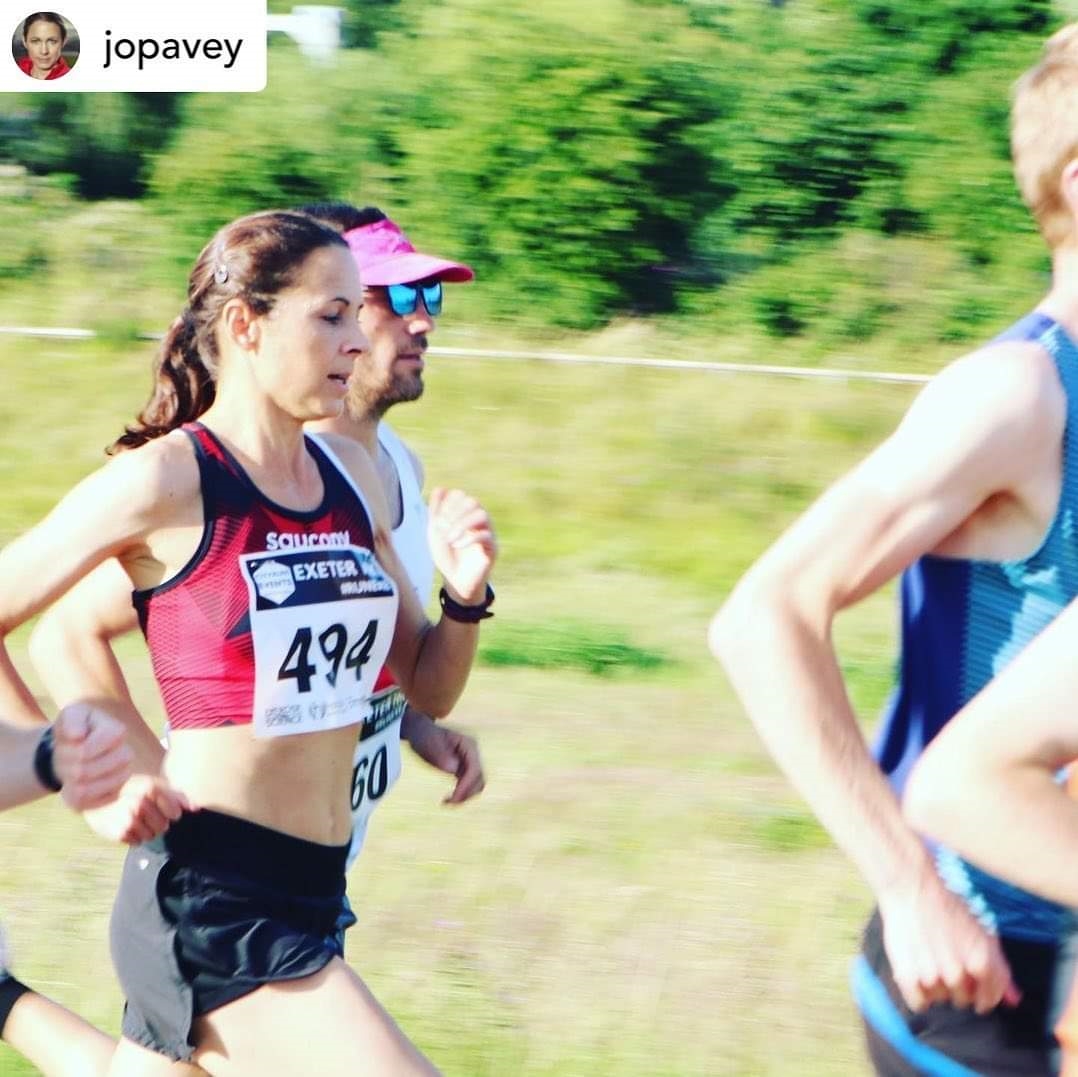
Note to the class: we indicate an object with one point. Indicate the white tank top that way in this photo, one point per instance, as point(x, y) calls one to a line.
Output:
point(410, 538)
point(377, 762)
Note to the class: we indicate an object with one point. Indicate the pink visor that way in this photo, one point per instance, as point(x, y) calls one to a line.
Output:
point(385, 256)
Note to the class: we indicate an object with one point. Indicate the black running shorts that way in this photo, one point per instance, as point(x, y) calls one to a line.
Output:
point(213, 910)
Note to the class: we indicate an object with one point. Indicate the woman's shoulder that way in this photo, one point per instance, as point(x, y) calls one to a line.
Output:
point(164, 468)
point(155, 485)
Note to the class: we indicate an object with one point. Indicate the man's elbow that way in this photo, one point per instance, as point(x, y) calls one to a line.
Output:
point(750, 612)
point(728, 626)
point(719, 636)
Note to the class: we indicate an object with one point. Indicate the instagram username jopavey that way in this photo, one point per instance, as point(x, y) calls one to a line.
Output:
point(145, 50)
point(97, 45)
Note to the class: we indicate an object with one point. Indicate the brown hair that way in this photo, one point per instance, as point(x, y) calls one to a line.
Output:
point(252, 259)
point(44, 16)
point(1044, 134)
point(342, 216)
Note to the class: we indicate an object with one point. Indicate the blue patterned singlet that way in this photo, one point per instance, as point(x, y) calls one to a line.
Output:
point(962, 622)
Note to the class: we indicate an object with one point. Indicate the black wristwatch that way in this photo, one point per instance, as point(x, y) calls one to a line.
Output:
point(43, 762)
point(456, 611)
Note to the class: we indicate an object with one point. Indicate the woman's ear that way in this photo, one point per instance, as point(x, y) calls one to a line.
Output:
point(241, 325)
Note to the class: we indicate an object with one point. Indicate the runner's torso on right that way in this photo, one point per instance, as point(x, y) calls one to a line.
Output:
point(962, 622)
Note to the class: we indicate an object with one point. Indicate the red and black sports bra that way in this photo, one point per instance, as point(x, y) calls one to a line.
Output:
point(308, 579)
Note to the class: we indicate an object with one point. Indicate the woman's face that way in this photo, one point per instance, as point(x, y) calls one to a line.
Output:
point(309, 341)
point(44, 42)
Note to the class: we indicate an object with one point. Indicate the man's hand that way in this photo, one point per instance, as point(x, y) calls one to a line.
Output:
point(145, 807)
point(450, 751)
point(90, 756)
point(939, 952)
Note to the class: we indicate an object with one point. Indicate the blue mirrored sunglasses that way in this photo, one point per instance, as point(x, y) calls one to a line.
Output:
point(404, 298)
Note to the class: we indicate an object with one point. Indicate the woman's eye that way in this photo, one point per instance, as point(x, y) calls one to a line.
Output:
point(333, 319)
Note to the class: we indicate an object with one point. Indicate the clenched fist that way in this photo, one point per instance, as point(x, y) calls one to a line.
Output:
point(90, 756)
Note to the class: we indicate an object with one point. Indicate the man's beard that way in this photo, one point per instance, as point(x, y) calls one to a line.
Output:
point(401, 389)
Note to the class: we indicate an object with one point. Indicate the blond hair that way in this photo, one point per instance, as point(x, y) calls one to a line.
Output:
point(1063, 42)
point(1044, 134)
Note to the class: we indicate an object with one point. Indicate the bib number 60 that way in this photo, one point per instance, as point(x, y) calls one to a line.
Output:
point(370, 777)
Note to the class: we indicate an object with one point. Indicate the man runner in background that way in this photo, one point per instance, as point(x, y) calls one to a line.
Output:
point(973, 500)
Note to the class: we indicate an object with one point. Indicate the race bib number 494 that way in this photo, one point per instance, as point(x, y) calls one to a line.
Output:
point(321, 623)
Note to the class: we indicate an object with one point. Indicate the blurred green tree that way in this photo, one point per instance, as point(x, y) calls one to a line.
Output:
point(568, 162)
point(365, 21)
point(305, 138)
point(778, 163)
point(105, 141)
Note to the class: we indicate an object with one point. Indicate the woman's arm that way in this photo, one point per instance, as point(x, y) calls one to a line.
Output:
point(431, 663)
point(71, 650)
point(987, 785)
point(110, 513)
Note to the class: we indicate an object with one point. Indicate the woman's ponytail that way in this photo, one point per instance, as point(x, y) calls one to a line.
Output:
point(183, 389)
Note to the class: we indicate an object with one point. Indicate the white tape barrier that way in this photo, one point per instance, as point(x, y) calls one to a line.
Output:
point(31, 331)
point(826, 373)
point(818, 373)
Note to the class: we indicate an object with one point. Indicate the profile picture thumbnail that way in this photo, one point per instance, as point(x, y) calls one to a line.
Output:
point(45, 45)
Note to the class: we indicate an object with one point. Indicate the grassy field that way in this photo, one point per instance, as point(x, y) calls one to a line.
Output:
point(637, 892)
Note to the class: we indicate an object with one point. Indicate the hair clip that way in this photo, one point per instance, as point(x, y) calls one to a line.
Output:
point(220, 274)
